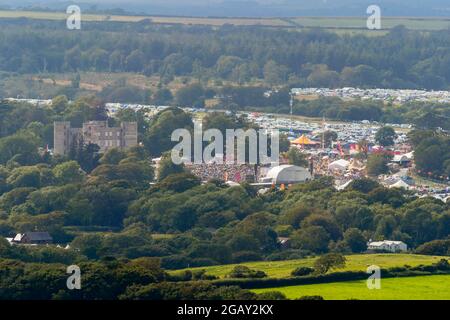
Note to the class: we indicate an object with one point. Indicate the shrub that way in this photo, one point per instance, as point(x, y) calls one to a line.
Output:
point(302, 271)
point(271, 295)
point(311, 298)
point(246, 272)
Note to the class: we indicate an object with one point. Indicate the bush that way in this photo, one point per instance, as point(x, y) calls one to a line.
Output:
point(311, 298)
point(302, 271)
point(201, 275)
point(435, 248)
point(246, 272)
point(271, 295)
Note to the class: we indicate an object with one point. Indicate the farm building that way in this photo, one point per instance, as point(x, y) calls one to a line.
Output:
point(387, 245)
point(32, 238)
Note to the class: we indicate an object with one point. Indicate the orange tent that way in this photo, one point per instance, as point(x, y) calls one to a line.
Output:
point(304, 141)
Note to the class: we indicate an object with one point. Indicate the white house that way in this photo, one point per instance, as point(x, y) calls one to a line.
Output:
point(387, 245)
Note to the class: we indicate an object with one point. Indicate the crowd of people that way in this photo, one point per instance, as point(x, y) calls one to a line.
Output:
point(226, 172)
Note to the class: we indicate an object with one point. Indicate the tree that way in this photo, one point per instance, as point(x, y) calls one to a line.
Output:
point(135, 61)
point(190, 95)
point(313, 238)
point(68, 172)
point(328, 262)
point(60, 104)
point(297, 158)
point(385, 136)
point(377, 164)
point(18, 144)
point(274, 73)
point(162, 97)
point(363, 185)
point(167, 167)
point(157, 140)
point(113, 156)
point(329, 137)
point(355, 240)
point(25, 177)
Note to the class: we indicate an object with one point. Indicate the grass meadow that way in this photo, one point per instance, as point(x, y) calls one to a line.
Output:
point(283, 269)
point(409, 288)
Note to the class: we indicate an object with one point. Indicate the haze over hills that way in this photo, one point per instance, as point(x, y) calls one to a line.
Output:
point(250, 8)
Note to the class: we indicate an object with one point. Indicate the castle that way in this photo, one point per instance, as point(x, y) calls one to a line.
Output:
point(96, 132)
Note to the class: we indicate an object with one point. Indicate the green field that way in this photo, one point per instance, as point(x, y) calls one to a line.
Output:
point(337, 24)
point(411, 288)
point(414, 23)
point(283, 269)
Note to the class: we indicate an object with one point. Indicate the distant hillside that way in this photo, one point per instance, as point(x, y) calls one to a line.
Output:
point(252, 8)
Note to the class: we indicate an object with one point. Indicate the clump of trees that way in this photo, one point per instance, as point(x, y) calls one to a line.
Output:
point(432, 154)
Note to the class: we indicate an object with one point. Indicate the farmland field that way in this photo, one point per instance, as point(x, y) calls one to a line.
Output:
point(274, 22)
point(337, 24)
point(283, 269)
point(414, 23)
point(410, 288)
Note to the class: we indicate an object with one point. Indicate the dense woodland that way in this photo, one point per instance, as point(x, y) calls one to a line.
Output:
point(237, 65)
point(120, 227)
point(309, 58)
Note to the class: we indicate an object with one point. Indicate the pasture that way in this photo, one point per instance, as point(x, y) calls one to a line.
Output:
point(283, 269)
point(409, 288)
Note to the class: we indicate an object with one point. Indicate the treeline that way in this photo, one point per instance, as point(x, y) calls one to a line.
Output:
point(110, 279)
point(240, 54)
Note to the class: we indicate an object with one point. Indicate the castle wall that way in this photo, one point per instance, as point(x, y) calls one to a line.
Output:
point(96, 132)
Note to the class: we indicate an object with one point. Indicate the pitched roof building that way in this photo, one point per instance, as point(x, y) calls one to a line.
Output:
point(33, 238)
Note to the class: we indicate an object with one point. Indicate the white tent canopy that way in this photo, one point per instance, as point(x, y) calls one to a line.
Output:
point(400, 184)
point(339, 165)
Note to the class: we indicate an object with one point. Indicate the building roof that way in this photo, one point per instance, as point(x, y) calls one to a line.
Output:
point(385, 242)
point(341, 163)
point(287, 174)
point(400, 184)
point(39, 236)
point(33, 236)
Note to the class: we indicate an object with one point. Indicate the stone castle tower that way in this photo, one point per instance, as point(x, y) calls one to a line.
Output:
point(96, 132)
